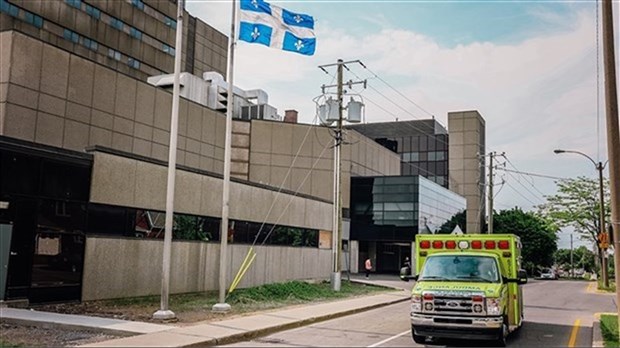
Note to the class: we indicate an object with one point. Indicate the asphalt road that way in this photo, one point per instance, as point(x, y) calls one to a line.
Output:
point(557, 314)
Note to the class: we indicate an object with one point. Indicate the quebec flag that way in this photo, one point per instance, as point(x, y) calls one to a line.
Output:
point(273, 26)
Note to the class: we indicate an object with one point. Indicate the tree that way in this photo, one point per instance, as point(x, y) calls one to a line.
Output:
point(538, 235)
point(456, 219)
point(577, 204)
point(582, 258)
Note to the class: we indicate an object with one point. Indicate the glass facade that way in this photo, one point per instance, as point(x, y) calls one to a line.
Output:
point(421, 144)
point(395, 208)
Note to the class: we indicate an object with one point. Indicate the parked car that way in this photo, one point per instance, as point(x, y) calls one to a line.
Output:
point(548, 273)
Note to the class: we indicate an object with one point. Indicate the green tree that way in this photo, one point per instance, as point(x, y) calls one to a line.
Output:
point(538, 235)
point(582, 258)
point(456, 219)
point(577, 204)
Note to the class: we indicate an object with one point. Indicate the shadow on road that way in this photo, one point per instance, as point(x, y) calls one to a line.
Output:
point(530, 335)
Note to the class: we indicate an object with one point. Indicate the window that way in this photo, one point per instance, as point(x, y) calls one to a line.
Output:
point(168, 49)
point(90, 44)
point(114, 54)
point(93, 12)
point(170, 22)
point(135, 33)
point(133, 63)
point(115, 23)
point(71, 36)
point(35, 20)
point(138, 3)
point(74, 3)
point(11, 9)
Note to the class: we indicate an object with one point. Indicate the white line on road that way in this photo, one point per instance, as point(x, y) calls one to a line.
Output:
point(389, 339)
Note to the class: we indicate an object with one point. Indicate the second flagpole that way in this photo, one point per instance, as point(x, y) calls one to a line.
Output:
point(222, 306)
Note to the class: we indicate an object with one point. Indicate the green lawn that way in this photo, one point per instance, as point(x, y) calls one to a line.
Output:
point(194, 307)
point(609, 327)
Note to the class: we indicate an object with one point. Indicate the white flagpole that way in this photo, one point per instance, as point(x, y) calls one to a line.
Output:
point(164, 313)
point(222, 306)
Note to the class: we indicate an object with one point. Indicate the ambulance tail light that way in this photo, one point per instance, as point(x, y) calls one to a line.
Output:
point(504, 244)
point(476, 244)
point(489, 244)
point(450, 244)
point(437, 244)
point(425, 244)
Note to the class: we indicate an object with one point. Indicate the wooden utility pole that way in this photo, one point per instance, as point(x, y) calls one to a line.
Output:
point(491, 155)
point(335, 277)
point(613, 134)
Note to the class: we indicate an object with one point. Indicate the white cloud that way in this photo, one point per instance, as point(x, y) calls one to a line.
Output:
point(536, 95)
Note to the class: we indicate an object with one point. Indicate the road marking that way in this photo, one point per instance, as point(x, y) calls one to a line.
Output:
point(573, 334)
point(389, 339)
point(590, 288)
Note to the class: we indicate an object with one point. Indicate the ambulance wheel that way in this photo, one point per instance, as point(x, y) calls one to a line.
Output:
point(502, 334)
point(417, 338)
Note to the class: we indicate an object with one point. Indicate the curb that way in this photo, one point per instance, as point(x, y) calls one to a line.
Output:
point(263, 332)
point(597, 334)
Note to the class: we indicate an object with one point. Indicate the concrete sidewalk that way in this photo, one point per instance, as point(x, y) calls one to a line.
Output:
point(247, 327)
point(207, 333)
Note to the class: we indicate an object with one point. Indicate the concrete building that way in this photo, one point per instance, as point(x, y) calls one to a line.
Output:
point(83, 150)
point(84, 144)
point(466, 162)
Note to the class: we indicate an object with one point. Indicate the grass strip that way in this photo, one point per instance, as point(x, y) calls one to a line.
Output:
point(609, 328)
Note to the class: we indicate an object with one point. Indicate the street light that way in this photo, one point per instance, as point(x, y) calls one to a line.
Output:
point(599, 166)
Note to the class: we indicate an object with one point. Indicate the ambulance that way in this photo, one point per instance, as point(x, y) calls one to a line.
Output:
point(467, 287)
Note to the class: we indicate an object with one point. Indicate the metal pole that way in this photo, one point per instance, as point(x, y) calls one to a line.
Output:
point(490, 231)
point(337, 229)
point(164, 313)
point(613, 134)
point(222, 306)
point(604, 267)
point(572, 268)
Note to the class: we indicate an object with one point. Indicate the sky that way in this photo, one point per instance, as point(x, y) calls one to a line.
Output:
point(529, 68)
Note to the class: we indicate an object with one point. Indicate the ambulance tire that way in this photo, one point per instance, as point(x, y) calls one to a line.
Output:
point(502, 334)
point(417, 338)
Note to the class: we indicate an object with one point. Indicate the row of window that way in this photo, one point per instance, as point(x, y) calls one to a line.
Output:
point(122, 26)
point(74, 37)
point(423, 156)
point(67, 34)
point(139, 4)
point(26, 16)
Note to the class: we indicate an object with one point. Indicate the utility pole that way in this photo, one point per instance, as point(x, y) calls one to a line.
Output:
point(335, 277)
point(572, 268)
point(491, 155)
point(613, 134)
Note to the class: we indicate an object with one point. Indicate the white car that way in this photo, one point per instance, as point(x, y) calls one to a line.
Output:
point(548, 274)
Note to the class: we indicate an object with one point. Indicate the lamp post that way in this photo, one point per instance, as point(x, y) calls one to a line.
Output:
point(599, 166)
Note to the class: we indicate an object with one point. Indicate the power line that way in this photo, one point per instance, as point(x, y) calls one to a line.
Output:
point(397, 91)
point(533, 174)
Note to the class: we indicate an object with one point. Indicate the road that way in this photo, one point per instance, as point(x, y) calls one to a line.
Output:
point(557, 313)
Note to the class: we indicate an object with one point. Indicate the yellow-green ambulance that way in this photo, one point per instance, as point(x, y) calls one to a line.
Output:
point(468, 287)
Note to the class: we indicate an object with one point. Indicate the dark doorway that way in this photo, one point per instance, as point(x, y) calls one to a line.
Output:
point(391, 256)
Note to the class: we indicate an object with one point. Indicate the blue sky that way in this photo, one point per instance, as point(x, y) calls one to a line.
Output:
point(529, 67)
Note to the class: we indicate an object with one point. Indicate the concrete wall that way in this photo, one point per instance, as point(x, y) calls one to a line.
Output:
point(466, 163)
point(116, 267)
point(274, 145)
point(129, 182)
point(59, 99)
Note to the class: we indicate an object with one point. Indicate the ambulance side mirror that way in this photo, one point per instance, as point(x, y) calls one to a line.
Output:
point(521, 277)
